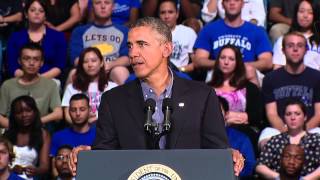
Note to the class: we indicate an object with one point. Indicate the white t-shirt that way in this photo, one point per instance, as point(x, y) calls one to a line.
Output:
point(93, 93)
point(311, 58)
point(183, 39)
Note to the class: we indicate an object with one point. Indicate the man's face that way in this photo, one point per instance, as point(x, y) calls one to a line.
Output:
point(294, 49)
point(79, 112)
point(102, 8)
point(232, 7)
point(292, 160)
point(31, 61)
point(4, 157)
point(61, 161)
point(168, 14)
point(148, 52)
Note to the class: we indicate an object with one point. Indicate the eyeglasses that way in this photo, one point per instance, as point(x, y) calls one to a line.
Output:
point(62, 158)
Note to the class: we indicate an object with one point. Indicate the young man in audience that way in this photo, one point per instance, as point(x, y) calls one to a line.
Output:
point(109, 38)
point(294, 80)
point(44, 91)
point(61, 163)
point(183, 37)
point(251, 39)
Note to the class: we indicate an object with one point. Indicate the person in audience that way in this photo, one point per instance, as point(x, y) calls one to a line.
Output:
point(252, 11)
point(183, 37)
point(294, 80)
point(291, 162)
point(61, 163)
point(44, 91)
point(31, 142)
point(244, 98)
point(10, 18)
point(62, 15)
point(125, 12)
point(90, 79)
point(80, 132)
point(187, 8)
point(109, 38)
point(239, 141)
point(303, 21)
point(251, 39)
point(295, 117)
point(6, 157)
point(53, 42)
point(280, 14)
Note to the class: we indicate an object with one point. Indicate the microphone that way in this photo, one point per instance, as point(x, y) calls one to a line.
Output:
point(167, 110)
point(150, 105)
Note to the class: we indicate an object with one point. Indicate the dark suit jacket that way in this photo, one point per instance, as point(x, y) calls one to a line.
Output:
point(197, 120)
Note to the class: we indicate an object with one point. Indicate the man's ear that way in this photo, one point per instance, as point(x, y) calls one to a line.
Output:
point(167, 50)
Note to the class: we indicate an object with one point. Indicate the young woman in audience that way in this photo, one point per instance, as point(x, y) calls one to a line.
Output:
point(52, 42)
point(244, 98)
point(31, 142)
point(91, 79)
point(305, 21)
point(269, 160)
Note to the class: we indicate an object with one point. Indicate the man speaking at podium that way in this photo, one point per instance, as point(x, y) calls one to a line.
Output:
point(192, 120)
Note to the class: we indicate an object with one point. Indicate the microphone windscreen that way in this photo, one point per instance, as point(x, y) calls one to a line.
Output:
point(150, 103)
point(166, 103)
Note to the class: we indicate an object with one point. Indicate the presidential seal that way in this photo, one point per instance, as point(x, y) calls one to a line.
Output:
point(154, 172)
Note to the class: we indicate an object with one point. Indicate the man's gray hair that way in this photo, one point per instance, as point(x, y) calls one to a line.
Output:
point(157, 25)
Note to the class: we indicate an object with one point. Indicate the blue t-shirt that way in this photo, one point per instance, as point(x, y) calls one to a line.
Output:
point(14, 176)
point(251, 39)
point(69, 137)
point(121, 10)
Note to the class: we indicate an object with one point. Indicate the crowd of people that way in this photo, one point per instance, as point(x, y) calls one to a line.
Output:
point(260, 57)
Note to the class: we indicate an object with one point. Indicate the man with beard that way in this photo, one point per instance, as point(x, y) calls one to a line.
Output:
point(80, 132)
point(294, 80)
point(61, 163)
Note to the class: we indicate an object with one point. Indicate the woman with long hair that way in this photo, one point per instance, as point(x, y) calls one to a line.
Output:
point(295, 118)
point(31, 142)
point(304, 21)
point(90, 78)
point(244, 98)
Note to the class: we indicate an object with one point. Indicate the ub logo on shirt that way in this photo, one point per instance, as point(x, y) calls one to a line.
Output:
point(237, 40)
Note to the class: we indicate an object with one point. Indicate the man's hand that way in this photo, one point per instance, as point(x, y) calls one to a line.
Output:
point(238, 160)
point(74, 158)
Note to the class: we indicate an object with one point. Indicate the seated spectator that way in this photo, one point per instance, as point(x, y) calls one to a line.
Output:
point(10, 16)
point(251, 39)
point(62, 15)
point(240, 142)
point(53, 42)
point(61, 163)
point(295, 116)
point(6, 157)
point(304, 20)
point(44, 91)
point(90, 79)
point(243, 97)
point(294, 80)
point(125, 12)
point(31, 142)
point(183, 37)
point(252, 11)
point(80, 132)
point(291, 162)
point(109, 38)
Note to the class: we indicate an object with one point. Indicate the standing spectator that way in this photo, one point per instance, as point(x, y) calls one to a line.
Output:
point(252, 11)
point(251, 39)
point(294, 117)
point(90, 79)
point(183, 37)
point(304, 21)
point(62, 15)
point(244, 98)
point(61, 163)
point(53, 42)
point(43, 90)
point(31, 142)
point(109, 38)
point(294, 80)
